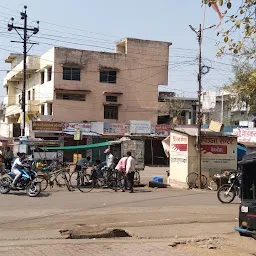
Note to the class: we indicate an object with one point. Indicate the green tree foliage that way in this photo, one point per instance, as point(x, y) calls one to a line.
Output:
point(238, 30)
point(243, 87)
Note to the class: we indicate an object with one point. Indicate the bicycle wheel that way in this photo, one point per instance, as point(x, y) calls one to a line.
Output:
point(192, 180)
point(67, 181)
point(44, 182)
point(116, 180)
point(120, 181)
point(76, 178)
point(60, 179)
point(137, 178)
point(204, 181)
point(87, 183)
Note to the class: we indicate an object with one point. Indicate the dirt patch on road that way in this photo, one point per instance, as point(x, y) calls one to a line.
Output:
point(94, 233)
point(225, 246)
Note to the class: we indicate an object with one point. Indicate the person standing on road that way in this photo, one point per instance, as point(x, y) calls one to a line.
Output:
point(8, 156)
point(82, 162)
point(130, 170)
point(109, 158)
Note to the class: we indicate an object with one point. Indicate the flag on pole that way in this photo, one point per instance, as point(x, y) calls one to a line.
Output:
point(215, 7)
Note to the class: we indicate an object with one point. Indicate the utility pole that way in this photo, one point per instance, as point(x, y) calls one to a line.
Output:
point(199, 34)
point(222, 106)
point(24, 41)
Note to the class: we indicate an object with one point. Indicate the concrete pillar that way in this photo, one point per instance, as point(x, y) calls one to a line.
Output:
point(46, 109)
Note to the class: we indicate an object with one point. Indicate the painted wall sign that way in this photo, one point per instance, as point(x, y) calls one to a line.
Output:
point(214, 149)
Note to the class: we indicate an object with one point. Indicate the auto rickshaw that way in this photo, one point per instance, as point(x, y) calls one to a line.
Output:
point(247, 209)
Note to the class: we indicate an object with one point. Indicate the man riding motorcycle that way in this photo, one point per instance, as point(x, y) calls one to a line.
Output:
point(16, 167)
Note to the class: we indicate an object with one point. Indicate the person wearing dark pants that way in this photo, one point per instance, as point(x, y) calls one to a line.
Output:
point(130, 171)
point(130, 181)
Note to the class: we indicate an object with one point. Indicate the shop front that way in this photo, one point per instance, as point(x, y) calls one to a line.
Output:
point(218, 152)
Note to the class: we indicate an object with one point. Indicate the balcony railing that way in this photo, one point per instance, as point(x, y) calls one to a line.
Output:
point(16, 74)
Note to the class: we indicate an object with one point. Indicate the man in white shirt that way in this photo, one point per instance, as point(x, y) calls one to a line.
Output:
point(16, 167)
point(109, 158)
point(130, 170)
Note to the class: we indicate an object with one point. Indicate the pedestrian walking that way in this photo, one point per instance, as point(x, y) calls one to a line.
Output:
point(109, 159)
point(130, 171)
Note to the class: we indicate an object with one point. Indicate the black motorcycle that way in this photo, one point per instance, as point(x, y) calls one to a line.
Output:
point(227, 192)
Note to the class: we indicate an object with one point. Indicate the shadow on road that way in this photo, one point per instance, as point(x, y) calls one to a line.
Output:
point(18, 193)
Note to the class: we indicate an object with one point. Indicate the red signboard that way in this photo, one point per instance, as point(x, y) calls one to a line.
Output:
point(214, 149)
point(180, 147)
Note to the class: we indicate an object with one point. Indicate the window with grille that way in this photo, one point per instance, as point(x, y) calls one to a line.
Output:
point(108, 77)
point(111, 112)
point(73, 74)
point(69, 96)
point(111, 98)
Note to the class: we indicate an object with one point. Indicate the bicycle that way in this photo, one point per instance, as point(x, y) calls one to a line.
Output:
point(193, 180)
point(137, 177)
point(51, 175)
point(82, 180)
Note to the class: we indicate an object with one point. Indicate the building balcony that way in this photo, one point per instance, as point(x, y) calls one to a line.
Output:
point(12, 110)
point(33, 106)
point(16, 74)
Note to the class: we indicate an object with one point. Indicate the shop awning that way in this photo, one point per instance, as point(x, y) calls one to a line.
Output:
point(82, 147)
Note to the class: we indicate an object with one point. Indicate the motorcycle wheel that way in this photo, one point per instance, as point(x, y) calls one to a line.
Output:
point(33, 189)
point(225, 197)
point(5, 185)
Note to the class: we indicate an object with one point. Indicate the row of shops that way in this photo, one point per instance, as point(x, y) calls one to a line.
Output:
point(75, 134)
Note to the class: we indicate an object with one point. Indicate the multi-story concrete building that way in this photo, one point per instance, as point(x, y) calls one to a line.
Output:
point(177, 110)
point(228, 111)
point(71, 85)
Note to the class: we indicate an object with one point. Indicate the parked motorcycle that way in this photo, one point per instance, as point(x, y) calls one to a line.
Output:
point(27, 182)
point(227, 192)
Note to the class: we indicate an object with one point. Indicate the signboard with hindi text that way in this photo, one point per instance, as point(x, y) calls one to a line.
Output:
point(47, 126)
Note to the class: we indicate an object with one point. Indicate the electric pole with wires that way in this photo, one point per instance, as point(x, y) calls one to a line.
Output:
point(199, 34)
point(25, 42)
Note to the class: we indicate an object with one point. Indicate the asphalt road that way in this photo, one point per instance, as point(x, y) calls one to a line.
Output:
point(153, 217)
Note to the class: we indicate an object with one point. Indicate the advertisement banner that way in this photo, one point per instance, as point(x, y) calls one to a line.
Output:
point(140, 127)
point(163, 129)
point(77, 135)
point(245, 134)
point(72, 127)
point(114, 128)
point(47, 126)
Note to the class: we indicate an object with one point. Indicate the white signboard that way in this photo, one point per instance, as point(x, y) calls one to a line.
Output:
point(245, 134)
point(97, 127)
point(72, 127)
point(140, 127)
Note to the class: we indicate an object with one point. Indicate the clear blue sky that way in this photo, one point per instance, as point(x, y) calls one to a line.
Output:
point(104, 22)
